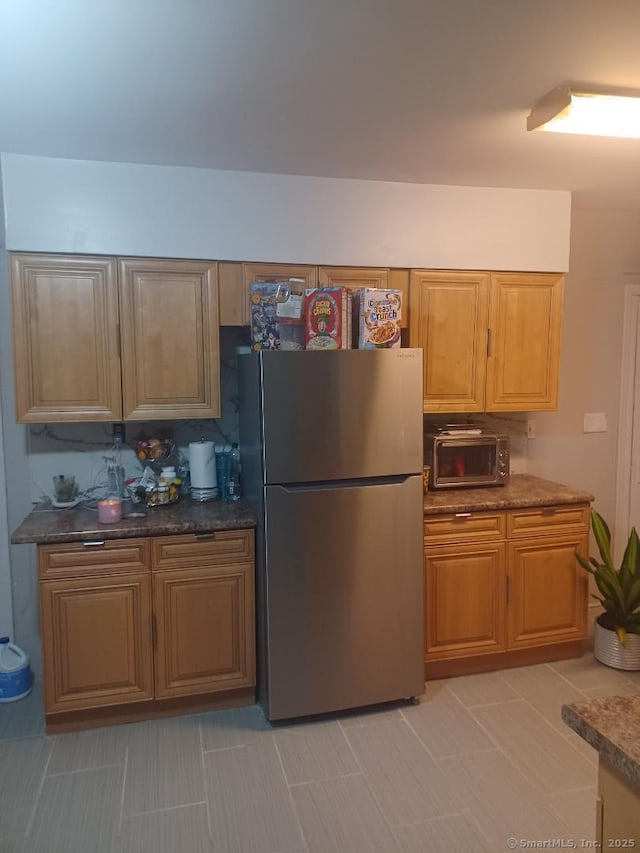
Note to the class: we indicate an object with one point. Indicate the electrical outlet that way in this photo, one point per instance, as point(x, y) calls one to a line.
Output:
point(118, 433)
point(531, 428)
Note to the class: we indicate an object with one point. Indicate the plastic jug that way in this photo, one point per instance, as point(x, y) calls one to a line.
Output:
point(15, 672)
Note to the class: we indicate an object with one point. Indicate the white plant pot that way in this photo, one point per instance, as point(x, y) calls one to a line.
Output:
point(608, 649)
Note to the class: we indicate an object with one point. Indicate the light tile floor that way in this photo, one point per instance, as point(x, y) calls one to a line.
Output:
point(480, 760)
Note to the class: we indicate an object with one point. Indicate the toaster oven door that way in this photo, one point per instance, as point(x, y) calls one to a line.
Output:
point(466, 462)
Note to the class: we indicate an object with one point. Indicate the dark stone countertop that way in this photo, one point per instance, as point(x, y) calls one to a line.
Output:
point(612, 726)
point(522, 490)
point(48, 525)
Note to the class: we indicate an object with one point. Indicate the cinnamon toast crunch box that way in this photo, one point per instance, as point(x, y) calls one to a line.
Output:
point(377, 313)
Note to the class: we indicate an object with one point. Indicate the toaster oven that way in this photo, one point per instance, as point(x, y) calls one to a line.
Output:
point(461, 456)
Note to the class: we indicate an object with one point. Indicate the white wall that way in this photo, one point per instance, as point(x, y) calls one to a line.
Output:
point(604, 247)
point(116, 208)
point(6, 610)
point(19, 578)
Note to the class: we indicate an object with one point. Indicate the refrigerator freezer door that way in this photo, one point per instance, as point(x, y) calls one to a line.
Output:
point(341, 415)
point(344, 582)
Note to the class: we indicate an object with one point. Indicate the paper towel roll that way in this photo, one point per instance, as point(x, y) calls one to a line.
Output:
point(202, 463)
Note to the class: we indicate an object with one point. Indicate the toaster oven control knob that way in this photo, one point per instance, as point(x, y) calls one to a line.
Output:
point(503, 473)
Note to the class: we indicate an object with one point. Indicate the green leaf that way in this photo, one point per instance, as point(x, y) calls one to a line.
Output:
point(586, 565)
point(610, 589)
point(629, 561)
point(622, 635)
point(602, 536)
point(633, 596)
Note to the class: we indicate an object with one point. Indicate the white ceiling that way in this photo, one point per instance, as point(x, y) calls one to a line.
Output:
point(423, 91)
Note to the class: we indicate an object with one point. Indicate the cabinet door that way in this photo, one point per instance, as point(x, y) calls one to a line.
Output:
point(547, 591)
point(204, 629)
point(353, 277)
point(465, 600)
point(170, 339)
point(382, 278)
point(525, 316)
point(96, 637)
point(65, 335)
point(619, 824)
point(449, 322)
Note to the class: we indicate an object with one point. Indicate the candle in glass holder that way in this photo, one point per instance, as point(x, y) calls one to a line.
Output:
point(109, 511)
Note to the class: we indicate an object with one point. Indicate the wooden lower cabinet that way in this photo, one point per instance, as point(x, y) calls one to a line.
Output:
point(547, 592)
point(96, 635)
point(464, 614)
point(496, 596)
point(204, 633)
point(130, 626)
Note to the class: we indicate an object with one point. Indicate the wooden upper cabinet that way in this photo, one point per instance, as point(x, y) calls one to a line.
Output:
point(65, 335)
point(491, 341)
point(353, 277)
point(170, 346)
point(356, 277)
point(97, 339)
point(449, 322)
point(235, 279)
point(525, 316)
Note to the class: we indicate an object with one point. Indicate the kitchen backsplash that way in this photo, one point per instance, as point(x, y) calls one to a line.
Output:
point(513, 424)
point(79, 449)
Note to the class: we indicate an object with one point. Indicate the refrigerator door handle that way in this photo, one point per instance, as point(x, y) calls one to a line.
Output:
point(341, 484)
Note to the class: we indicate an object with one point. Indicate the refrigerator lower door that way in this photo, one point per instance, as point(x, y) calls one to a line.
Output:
point(344, 595)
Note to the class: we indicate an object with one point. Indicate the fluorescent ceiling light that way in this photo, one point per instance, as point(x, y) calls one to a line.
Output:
point(565, 111)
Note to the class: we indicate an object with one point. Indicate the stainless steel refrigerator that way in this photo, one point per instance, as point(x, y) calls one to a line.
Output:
point(331, 449)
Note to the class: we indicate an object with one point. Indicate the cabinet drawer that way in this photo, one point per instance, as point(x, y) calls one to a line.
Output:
point(464, 526)
point(202, 549)
point(548, 520)
point(94, 557)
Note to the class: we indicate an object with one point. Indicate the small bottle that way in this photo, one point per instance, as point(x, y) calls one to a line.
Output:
point(162, 493)
point(233, 488)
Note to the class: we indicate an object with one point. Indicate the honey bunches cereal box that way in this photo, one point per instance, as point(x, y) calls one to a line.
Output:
point(377, 314)
point(328, 318)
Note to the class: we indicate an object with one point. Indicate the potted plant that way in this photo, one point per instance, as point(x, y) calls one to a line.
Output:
point(617, 630)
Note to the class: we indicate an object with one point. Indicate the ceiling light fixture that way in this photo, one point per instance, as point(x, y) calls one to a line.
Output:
point(566, 111)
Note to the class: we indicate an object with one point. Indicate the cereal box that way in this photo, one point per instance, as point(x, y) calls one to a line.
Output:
point(276, 315)
point(377, 313)
point(328, 318)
